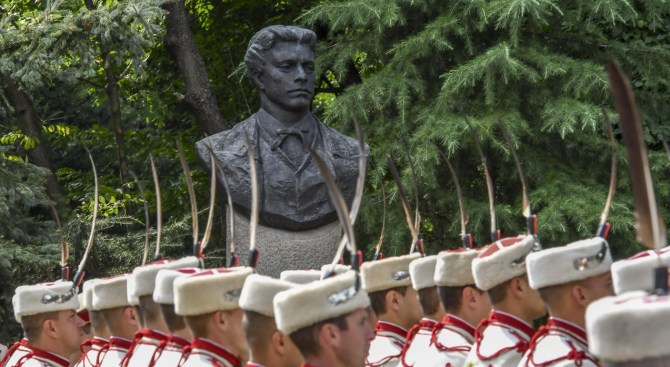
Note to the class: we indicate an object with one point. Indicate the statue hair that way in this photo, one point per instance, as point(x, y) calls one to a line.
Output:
point(266, 38)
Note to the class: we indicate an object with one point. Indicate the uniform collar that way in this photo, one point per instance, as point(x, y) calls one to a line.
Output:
point(389, 327)
point(459, 323)
point(212, 347)
point(511, 321)
point(427, 323)
point(178, 340)
point(152, 334)
point(24, 342)
point(99, 342)
point(573, 330)
point(51, 357)
point(120, 343)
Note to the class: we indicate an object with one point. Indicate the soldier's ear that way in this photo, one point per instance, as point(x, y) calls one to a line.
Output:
point(278, 342)
point(130, 315)
point(257, 77)
point(579, 294)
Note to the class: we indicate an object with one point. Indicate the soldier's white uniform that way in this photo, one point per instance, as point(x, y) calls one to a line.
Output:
point(143, 348)
point(500, 341)
point(418, 347)
point(118, 348)
point(18, 350)
point(171, 353)
point(559, 344)
point(452, 339)
point(386, 348)
point(93, 356)
point(40, 358)
point(3, 351)
point(205, 353)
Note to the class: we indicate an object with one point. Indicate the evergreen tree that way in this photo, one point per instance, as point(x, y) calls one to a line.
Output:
point(539, 66)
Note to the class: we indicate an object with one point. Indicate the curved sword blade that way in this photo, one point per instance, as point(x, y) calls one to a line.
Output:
point(417, 216)
point(231, 212)
point(405, 202)
point(381, 237)
point(613, 172)
point(191, 195)
point(146, 217)
point(526, 200)
point(649, 222)
point(64, 250)
point(159, 208)
point(464, 214)
point(212, 203)
point(253, 220)
point(80, 269)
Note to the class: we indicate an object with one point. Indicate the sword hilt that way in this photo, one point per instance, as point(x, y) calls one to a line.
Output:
point(253, 258)
point(467, 241)
point(495, 235)
point(603, 230)
point(78, 277)
point(378, 256)
point(158, 257)
point(532, 224)
point(232, 262)
point(661, 280)
point(65, 273)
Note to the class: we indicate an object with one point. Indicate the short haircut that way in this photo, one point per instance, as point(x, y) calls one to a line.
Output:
point(429, 300)
point(452, 297)
point(33, 324)
point(112, 317)
point(550, 295)
point(258, 329)
point(498, 293)
point(174, 322)
point(378, 298)
point(199, 324)
point(306, 339)
point(151, 311)
point(266, 38)
point(97, 320)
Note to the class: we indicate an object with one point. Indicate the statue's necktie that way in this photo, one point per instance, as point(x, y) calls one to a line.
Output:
point(284, 133)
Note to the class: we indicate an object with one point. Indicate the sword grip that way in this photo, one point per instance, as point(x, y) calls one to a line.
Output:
point(253, 258)
point(78, 277)
point(158, 257)
point(532, 224)
point(355, 261)
point(467, 241)
point(232, 262)
point(603, 230)
point(378, 256)
point(661, 280)
point(495, 235)
point(65, 273)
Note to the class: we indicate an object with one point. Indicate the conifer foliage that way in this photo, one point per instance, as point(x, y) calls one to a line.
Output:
point(539, 66)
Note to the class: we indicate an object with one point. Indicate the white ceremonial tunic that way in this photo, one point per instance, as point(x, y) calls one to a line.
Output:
point(452, 339)
point(418, 347)
point(206, 353)
point(118, 347)
point(500, 341)
point(93, 356)
point(3, 351)
point(18, 350)
point(559, 344)
point(386, 348)
point(170, 354)
point(144, 345)
point(40, 358)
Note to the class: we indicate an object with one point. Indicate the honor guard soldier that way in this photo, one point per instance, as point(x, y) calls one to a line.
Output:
point(630, 330)
point(327, 321)
point(396, 304)
point(300, 276)
point(268, 347)
point(568, 278)
point(503, 338)
point(209, 302)
point(20, 348)
point(465, 306)
point(633, 274)
point(418, 345)
point(155, 330)
point(110, 298)
point(99, 344)
point(169, 353)
point(48, 317)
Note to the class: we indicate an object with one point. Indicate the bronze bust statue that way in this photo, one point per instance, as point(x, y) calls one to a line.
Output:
point(293, 195)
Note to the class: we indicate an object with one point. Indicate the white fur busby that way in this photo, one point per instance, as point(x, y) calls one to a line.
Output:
point(33, 299)
point(144, 277)
point(259, 291)
point(164, 291)
point(422, 271)
point(629, 327)
point(501, 261)
point(454, 268)
point(637, 273)
point(337, 269)
point(300, 276)
point(308, 304)
point(87, 291)
point(210, 290)
point(132, 300)
point(111, 292)
point(575, 261)
point(387, 273)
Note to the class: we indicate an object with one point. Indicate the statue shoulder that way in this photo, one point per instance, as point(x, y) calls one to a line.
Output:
point(341, 144)
point(230, 140)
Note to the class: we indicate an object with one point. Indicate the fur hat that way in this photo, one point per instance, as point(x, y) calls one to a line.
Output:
point(300, 276)
point(111, 292)
point(29, 299)
point(259, 291)
point(307, 304)
point(210, 290)
point(87, 291)
point(575, 261)
point(637, 273)
point(132, 300)
point(629, 327)
point(503, 260)
point(337, 269)
point(144, 277)
point(454, 267)
point(422, 271)
point(164, 292)
point(387, 273)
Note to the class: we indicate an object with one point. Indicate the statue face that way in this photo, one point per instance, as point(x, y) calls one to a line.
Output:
point(288, 76)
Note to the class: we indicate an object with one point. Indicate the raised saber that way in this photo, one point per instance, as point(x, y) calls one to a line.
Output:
point(466, 237)
point(405, 202)
point(212, 203)
point(159, 210)
point(194, 206)
point(381, 236)
point(495, 232)
point(146, 217)
point(80, 269)
point(253, 219)
point(64, 250)
point(417, 215)
point(603, 227)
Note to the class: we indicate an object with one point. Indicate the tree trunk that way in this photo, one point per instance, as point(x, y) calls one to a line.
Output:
point(31, 126)
point(200, 98)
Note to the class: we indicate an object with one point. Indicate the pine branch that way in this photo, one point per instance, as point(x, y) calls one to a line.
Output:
point(93, 84)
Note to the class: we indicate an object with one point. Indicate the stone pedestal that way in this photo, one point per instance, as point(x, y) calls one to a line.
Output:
point(284, 250)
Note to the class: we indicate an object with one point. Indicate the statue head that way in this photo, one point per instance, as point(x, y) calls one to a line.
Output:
point(280, 64)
